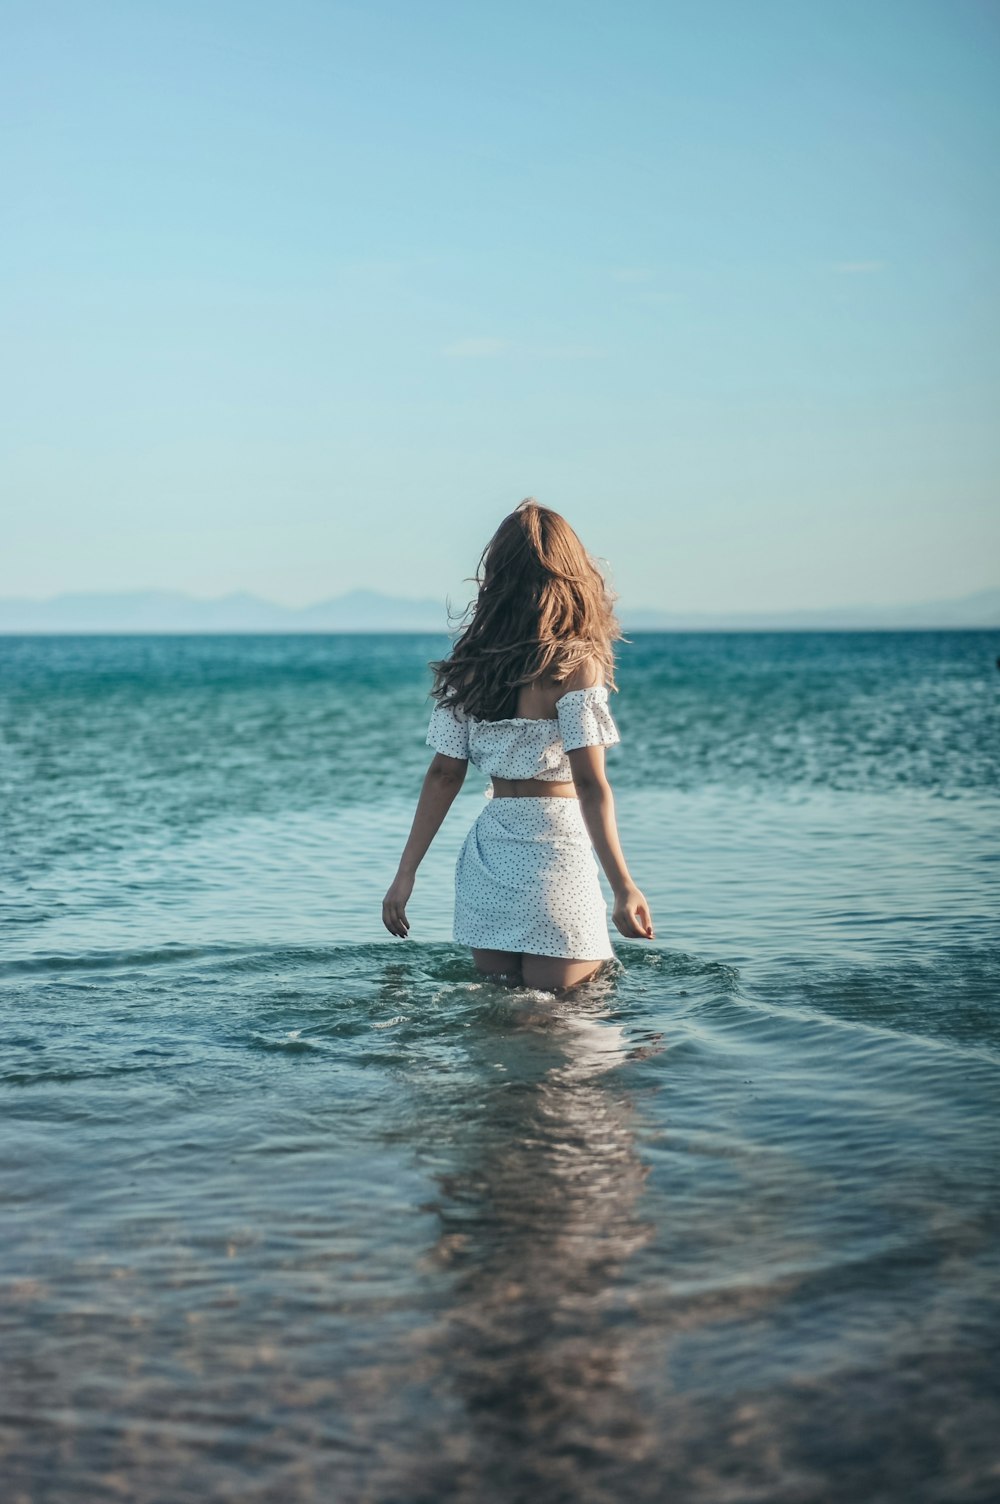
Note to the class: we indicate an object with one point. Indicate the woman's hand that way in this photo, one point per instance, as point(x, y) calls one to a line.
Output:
point(394, 905)
point(631, 914)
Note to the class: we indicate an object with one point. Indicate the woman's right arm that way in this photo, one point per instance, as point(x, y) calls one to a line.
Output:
point(597, 805)
point(442, 781)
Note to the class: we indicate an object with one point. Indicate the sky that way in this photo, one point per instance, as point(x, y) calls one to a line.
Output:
point(303, 297)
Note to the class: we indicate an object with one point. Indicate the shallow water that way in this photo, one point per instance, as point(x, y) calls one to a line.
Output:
point(296, 1211)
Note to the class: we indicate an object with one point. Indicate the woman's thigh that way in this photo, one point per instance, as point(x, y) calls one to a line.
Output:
point(552, 972)
point(498, 965)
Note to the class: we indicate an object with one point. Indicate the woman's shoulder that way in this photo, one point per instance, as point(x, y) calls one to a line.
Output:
point(587, 675)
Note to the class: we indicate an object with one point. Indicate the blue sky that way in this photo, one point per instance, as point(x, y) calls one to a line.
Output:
point(302, 296)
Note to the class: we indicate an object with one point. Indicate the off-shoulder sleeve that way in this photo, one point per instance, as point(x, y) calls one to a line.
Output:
point(585, 720)
point(448, 731)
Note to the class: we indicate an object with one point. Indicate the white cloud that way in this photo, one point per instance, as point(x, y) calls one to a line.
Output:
point(477, 349)
point(562, 352)
point(487, 349)
point(857, 268)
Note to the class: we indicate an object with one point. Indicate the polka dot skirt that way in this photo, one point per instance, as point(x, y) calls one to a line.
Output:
point(526, 879)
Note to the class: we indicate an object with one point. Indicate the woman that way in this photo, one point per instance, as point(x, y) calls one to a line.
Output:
point(524, 695)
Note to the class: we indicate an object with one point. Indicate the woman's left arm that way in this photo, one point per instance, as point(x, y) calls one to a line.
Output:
point(442, 782)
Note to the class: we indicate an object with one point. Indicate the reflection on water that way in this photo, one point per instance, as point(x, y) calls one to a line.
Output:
point(539, 1215)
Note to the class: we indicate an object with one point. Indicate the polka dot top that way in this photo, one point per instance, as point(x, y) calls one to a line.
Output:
point(519, 747)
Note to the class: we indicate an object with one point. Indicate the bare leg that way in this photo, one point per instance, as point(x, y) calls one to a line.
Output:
point(502, 966)
point(552, 973)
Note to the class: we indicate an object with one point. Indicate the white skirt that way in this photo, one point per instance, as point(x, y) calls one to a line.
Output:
point(527, 879)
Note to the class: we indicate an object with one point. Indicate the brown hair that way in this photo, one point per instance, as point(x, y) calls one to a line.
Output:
point(543, 609)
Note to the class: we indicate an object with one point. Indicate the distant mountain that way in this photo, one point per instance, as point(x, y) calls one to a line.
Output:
point(371, 611)
point(970, 611)
point(172, 611)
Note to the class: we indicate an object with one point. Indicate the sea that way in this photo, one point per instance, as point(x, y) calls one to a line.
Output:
point(293, 1210)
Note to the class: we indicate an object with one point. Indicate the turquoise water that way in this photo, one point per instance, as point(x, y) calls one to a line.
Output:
point(293, 1210)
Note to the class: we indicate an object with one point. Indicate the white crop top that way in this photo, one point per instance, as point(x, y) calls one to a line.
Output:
point(520, 747)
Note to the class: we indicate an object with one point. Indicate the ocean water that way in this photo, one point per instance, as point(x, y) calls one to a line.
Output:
point(296, 1211)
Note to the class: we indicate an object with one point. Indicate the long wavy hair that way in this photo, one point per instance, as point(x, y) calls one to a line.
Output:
point(543, 609)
